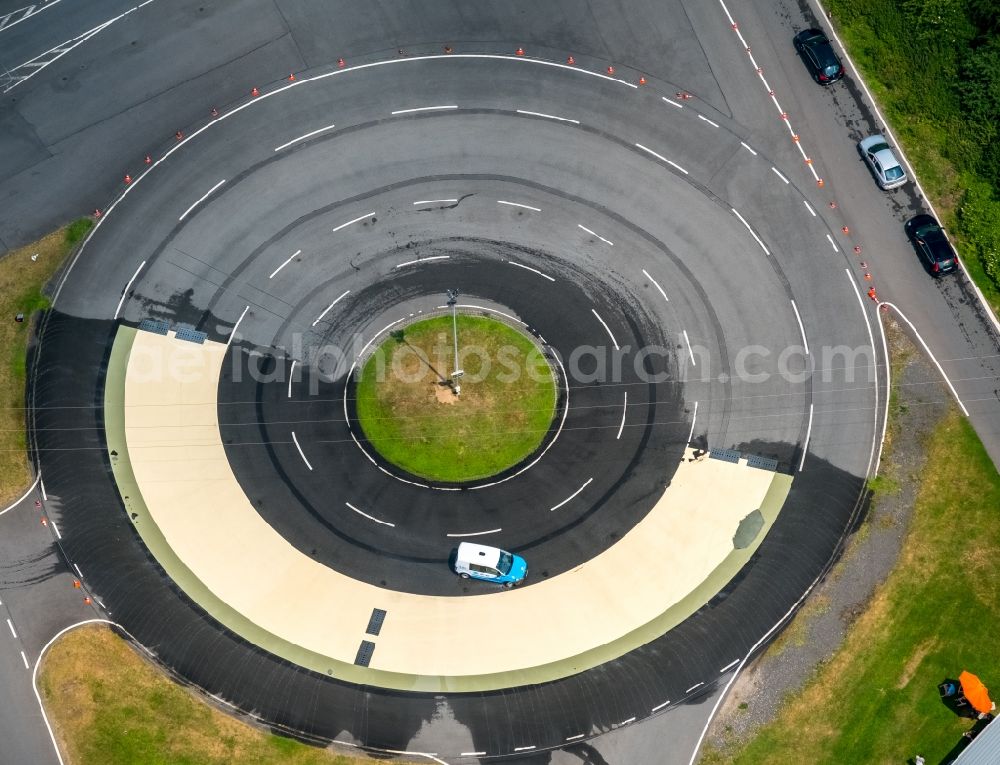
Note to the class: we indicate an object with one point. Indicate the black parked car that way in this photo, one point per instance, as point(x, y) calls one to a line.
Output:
point(816, 51)
point(931, 243)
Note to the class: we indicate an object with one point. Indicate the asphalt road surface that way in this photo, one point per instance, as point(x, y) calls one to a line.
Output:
point(88, 92)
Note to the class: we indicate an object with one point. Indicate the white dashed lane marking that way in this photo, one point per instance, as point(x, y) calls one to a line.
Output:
point(778, 173)
point(606, 328)
point(547, 116)
point(326, 310)
point(518, 204)
point(201, 199)
point(302, 454)
point(662, 158)
point(351, 222)
point(529, 268)
point(370, 517)
point(304, 137)
point(573, 495)
point(424, 109)
point(655, 284)
point(592, 233)
point(290, 259)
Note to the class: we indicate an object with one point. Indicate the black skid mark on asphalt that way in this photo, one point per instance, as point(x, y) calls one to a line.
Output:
point(446, 207)
point(33, 569)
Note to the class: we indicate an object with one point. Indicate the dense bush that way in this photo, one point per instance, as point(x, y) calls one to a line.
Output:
point(979, 220)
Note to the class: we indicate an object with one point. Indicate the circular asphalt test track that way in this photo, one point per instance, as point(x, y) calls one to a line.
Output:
point(587, 208)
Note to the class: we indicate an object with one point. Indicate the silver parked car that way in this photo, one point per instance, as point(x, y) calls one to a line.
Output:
point(879, 157)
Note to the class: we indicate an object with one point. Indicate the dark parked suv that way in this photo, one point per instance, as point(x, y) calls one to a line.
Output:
point(931, 243)
point(816, 51)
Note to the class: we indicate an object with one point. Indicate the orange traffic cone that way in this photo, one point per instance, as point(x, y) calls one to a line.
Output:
point(520, 51)
point(128, 179)
point(570, 60)
point(255, 92)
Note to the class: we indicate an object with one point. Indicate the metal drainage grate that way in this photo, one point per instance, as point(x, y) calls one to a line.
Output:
point(726, 455)
point(365, 652)
point(764, 463)
point(189, 333)
point(375, 623)
point(156, 326)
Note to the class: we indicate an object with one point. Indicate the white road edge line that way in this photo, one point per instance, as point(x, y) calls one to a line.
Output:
point(290, 259)
point(423, 260)
point(547, 116)
point(805, 343)
point(607, 329)
point(326, 310)
point(752, 232)
point(573, 495)
point(127, 288)
point(871, 339)
point(927, 350)
point(302, 454)
point(694, 418)
point(778, 173)
point(433, 201)
point(688, 344)
point(662, 158)
point(304, 137)
point(424, 109)
point(706, 119)
point(351, 222)
point(24, 496)
point(592, 233)
point(529, 268)
point(202, 199)
point(656, 284)
point(805, 445)
point(291, 376)
point(369, 517)
point(475, 533)
point(809, 208)
point(624, 412)
point(658, 707)
point(747, 147)
point(730, 665)
point(518, 204)
point(232, 332)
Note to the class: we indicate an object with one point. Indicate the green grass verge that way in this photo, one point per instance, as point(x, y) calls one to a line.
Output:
point(110, 707)
point(22, 281)
point(505, 408)
point(876, 699)
point(915, 57)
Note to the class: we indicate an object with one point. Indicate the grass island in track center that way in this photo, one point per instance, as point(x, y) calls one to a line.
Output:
point(423, 419)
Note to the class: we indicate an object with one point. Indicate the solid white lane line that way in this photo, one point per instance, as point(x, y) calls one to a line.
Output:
point(369, 517)
point(573, 495)
point(656, 284)
point(434, 201)
point(730, 665)
point(778, 173)
point(658, 707)
point(747, 147)
point(927, 350)
point(547, 116)
point(706, 119)
point(529, 268)
point(127, 288)
point(351, 222)
point(302, 454)
point(805, 343)
point(871, 341)
point(832, 243)
point(615, 342)
point(304, 137)
point(327, 309)
point(752, 232)
point(423, 260)
point(55, 528)
point(624, 412)
point(518, 204)
point(10, 624)
point(694, 418)
point(290, 259)
point(690, 352)
point(25, 660)
point(232, 332)
point(424, 109)
point(475, 533)
point(202, 199)
point(693, 687)
point(577, 737)
point(805, 445)
point(812, 212)
point(291, 376)
point(24, 496)
point(609, 243)
point(662, 158)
